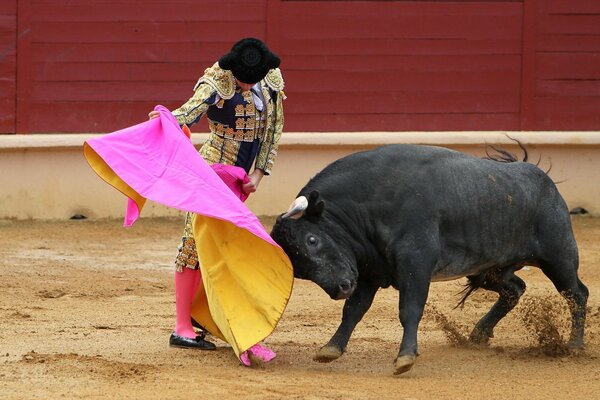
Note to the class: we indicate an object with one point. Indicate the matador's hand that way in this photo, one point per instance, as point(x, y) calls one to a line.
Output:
point(255, 178)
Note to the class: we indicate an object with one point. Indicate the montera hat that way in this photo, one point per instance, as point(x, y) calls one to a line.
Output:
point(249, 60)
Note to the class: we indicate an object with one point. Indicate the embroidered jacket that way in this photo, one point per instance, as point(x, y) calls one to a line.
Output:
point(240, 132)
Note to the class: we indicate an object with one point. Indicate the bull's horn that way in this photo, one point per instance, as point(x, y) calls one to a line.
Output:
point(297, 208)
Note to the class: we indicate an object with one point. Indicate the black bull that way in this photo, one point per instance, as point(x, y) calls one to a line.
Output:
point(406, 215)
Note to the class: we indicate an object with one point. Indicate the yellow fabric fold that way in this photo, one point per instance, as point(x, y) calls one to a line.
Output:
point(247, 293)
point(108, 175)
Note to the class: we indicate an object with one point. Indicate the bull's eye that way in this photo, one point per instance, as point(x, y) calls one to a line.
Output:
point(311, 240)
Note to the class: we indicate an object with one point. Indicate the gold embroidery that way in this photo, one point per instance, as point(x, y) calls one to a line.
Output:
point(220, 150)
point(220, 80)
point(195, 107)
point(244, 131)
point(272, 133)
point(248, 110)
point(247, 96)
point(274, 80)
point(188, 255)
point(240, 123)
point(240, 110)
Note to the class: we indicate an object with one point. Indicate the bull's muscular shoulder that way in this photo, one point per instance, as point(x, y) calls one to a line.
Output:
point(220, 80)
point(274, 80)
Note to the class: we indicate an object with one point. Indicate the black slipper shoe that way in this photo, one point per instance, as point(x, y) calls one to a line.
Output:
point(189, 343)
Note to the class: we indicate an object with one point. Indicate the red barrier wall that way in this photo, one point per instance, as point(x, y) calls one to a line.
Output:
point(97, 66)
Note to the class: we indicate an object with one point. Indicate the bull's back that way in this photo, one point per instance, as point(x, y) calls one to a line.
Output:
point(449, 178)
point(486, 212)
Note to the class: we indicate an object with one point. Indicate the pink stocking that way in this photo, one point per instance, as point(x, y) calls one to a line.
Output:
point(186, 284)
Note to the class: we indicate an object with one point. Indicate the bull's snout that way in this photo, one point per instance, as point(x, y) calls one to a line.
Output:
point(345, 289)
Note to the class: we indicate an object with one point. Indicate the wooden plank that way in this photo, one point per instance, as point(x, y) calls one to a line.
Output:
point(575, 105)
point(568, 65)
point(274, 26)
point(134, 76)
point(400, 122)
point(146, 33)
point(7, 105)
point(93, 72)
point(401, 63)
point(568, 43)
point(149, 10)
point(8, 60)
point(568, 88)
point(92, 117)
point(200, 52)
point(571, 7)
point(399, 19)
point(8, 8)
point(413, 9)
point(484, 81)
point(118, 115)
point(400, 26)
point(395, 102)
point(110, 91)
point(585, 24)
point(567, 113)
point(400, 46)
point(528, 66)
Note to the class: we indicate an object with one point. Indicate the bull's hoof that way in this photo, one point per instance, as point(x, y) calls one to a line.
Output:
point(576, 346)
point(404, 363)
point(327, 354)
point(480, 336)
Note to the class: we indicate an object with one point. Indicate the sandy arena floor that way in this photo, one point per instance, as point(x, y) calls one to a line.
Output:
point(87, 308)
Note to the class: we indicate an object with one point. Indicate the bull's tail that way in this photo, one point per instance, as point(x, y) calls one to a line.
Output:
point(505, 156)
point(508, 157)
point(474, 282)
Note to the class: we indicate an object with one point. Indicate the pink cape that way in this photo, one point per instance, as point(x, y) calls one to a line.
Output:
point(247, 278)
point(160, 163)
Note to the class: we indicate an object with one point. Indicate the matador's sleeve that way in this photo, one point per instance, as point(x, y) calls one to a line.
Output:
point(193, 109)
point(216, 84)
point(268, 148)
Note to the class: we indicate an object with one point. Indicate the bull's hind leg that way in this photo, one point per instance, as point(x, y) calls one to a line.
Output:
point(509, 288)
point(565, 279)
point(354, 309)
point(559, 260)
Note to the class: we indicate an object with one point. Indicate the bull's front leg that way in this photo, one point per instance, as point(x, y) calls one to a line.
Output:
point(355, 308)
point(414, 275)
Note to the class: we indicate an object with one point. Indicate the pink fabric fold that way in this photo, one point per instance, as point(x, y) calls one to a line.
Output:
point(262, 353)
point(160, 163)
point(234, 177)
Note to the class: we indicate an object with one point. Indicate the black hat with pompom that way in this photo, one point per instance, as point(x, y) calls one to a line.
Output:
point(249, 60)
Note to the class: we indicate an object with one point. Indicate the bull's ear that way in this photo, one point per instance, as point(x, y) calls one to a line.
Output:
point(315, 205)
